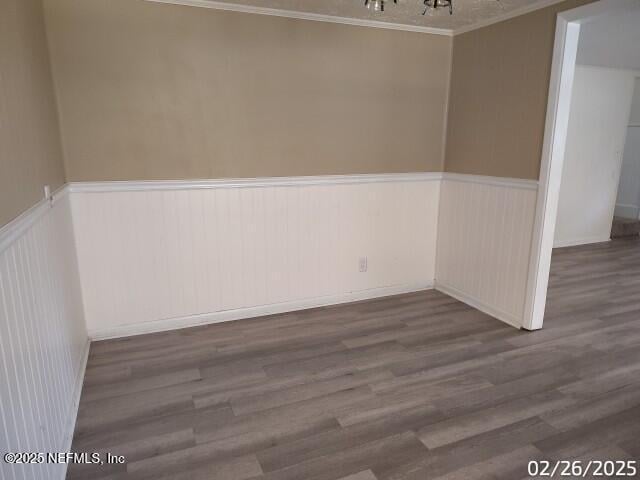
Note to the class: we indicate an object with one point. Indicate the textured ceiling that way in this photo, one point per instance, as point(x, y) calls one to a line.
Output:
point(407, 12)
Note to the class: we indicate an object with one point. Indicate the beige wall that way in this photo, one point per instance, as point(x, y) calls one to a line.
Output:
point(498, 99)
point(154, 91)
point(157, 91)
point(30, 153)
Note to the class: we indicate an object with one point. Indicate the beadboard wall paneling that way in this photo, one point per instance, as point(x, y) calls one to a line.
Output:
point(155, 256)
point(484, 241)
point(43, 340)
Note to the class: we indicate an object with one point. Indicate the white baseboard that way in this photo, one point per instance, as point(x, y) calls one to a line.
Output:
point(579, 241)
point(250, 312)
point(627, 211)
point(72, 414)
point(479, 305)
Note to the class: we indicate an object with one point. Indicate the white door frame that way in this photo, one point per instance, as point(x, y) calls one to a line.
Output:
point(555, 136)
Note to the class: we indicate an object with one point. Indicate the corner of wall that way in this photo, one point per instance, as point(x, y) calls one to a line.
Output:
point(56, 96)
point(445, 130)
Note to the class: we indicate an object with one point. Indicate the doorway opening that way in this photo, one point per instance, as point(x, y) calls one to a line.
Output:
point(595, 65)
point(626, 221)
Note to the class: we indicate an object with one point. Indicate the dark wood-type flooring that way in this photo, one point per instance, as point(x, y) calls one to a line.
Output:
point(416, 386)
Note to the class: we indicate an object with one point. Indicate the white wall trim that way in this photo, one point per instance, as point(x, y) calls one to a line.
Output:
point(625, 210)
point(17, 227)
point(631, 71)
point(556, 126)
point(276, 12)
point(478, 304)
point(150, 185)
point(72, 415)
point(359, 22)
point(497, 181)
point(252, 312)
point(580, 241)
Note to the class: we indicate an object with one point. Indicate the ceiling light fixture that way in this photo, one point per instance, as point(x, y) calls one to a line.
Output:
point(435, 4)
point(376, 5)
point(430, 6)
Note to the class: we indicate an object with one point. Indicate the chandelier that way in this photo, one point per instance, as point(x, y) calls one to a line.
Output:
point(429, 5)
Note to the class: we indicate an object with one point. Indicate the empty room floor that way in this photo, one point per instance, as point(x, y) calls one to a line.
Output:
point(414, 386)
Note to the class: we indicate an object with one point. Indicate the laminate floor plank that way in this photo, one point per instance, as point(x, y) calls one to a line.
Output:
point(621, 427)
point(365, 475)
point(460, 427)
point(472, 450)
point(333, 441)
point(377, 455)
point(112, 438)
point(505, 466)
point(409, 387)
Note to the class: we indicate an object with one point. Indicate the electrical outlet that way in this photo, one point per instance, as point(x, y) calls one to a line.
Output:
point(363, 264)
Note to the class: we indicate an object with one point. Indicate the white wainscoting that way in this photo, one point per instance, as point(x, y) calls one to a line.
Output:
point(161, 255)
point(484, 242)
point(43, 340)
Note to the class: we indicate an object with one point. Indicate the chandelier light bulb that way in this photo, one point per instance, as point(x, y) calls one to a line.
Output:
point(376, 5)
point(431, 6)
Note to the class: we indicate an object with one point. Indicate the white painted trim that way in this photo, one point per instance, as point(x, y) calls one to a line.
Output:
point(72, 414)
point(478, 304)
point(141, 186)
point(317, 17)
point(580, 241)
point(149, 185)
point(557, 122)
point(555, 136)
point(496, 181)
point(359, 22)
point(13, 230)
point(627, 210)
point(250, 312)
point(627, 205)
point(506, 16)
point(631, 71)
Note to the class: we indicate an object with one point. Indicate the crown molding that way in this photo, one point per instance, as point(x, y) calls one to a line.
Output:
point(275, 12)
point(360, 22)
point(506, 16)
